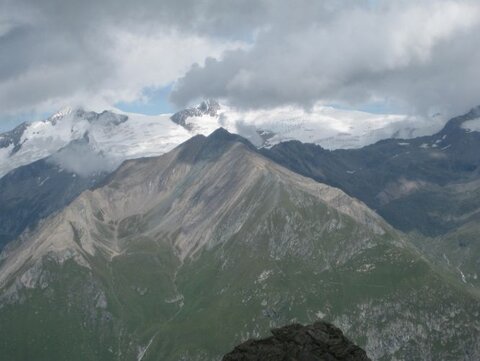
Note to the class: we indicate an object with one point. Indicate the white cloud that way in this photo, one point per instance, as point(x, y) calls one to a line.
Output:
point(129, 63)
point(93, 54)
point(155, 60)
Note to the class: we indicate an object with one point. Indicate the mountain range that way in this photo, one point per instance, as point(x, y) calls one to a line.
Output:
point(180, 256)
point(74, 149)
point(119, 136)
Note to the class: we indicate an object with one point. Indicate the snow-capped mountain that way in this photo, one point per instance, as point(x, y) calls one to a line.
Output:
point(116, 136)
point(329, 127)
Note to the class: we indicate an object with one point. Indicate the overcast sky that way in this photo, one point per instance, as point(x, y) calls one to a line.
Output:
point(416, 56)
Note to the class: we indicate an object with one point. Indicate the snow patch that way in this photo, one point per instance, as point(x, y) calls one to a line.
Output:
point(472, 125)
point(366, 267)
point(264, 276)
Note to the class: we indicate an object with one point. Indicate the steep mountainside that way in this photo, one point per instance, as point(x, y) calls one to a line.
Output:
point(185, 255)
point(389, 174)
point(36, 190)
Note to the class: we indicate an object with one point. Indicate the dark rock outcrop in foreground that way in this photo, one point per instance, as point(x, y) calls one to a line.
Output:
point(318, 342)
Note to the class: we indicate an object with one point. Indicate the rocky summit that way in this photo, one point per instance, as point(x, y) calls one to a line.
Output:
point(320, 341)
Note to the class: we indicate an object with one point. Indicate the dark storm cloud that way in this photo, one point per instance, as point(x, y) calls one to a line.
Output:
point(421, 55)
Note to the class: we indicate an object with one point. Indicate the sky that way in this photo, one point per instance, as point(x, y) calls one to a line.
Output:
point(397, 56)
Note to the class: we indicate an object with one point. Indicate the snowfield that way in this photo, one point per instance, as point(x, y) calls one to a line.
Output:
point(328, 127)
point(137, 136)
point(118, 136)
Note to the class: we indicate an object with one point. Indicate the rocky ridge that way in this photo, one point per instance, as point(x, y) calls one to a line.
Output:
point(320, 341)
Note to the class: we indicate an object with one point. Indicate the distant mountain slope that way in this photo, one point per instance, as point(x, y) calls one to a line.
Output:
point(389, 174)
point(185, 255)
point(429, 185)
point(36, 190)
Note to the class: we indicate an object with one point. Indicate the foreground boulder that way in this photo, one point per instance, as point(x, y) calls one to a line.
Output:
point(318, 342)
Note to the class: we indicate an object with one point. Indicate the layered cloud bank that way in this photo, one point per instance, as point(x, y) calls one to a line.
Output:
point(410, 56)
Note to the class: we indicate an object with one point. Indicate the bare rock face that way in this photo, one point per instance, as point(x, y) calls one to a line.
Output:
point(318, 342)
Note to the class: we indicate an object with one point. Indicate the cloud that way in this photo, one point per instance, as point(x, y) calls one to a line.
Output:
point(91, 53)
point(248, 131)
point(421, 55)
point(80, 158)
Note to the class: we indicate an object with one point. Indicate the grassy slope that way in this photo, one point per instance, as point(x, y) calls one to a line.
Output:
point(293, 259)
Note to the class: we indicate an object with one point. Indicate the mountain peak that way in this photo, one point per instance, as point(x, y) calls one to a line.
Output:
point(221, 134)
point(208, 107)
point(456, 123)
point(13, 138)
point(61, 113)
point(211, 147)
point(221, 139)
